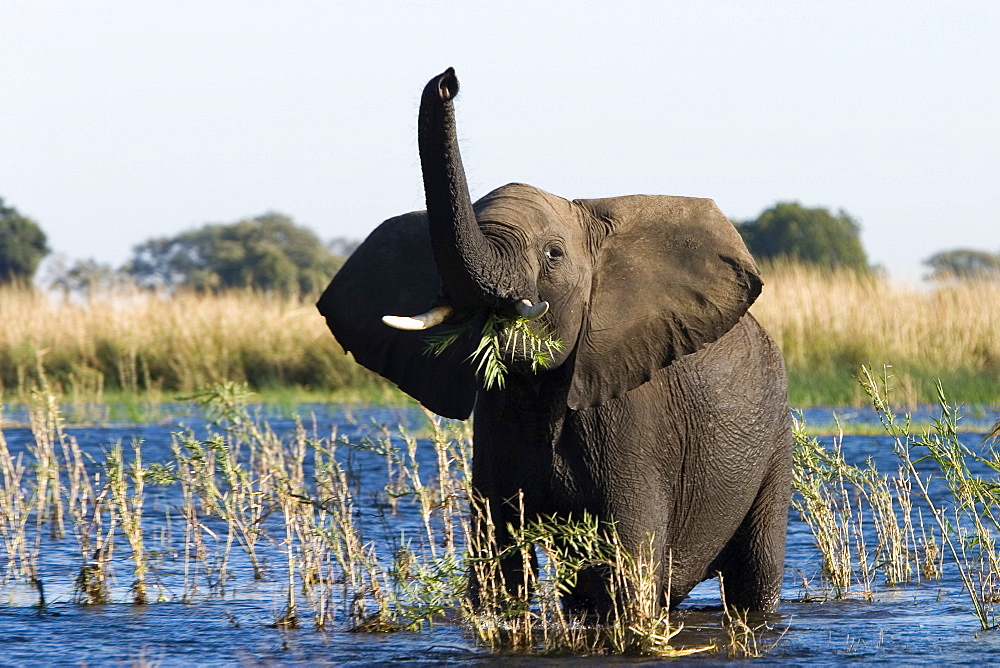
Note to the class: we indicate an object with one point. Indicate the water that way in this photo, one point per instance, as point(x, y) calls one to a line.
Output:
point(916, 624)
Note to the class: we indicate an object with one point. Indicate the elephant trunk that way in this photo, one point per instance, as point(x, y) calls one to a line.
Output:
point(469, 263)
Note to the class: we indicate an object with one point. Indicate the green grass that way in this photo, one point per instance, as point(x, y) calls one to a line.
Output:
point(836, 385)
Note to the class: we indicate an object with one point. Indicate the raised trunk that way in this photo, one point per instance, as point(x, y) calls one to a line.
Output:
point(469, 264)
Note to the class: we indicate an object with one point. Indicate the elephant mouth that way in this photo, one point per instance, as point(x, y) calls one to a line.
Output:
point(437, 315)
point(522, 342)
point(513, 344)
point(527, 345)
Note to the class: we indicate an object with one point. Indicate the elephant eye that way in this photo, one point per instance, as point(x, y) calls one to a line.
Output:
point(554, 253)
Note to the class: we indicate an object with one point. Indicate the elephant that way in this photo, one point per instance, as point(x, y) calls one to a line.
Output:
point(664, 413)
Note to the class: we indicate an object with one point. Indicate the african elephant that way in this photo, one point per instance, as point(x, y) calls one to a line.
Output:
point(666, 409)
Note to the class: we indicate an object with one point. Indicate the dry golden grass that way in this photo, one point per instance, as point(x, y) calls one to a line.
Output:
point(828, 325)
point(138, 341)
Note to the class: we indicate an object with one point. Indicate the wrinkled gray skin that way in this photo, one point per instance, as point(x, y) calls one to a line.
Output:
point(667, 409)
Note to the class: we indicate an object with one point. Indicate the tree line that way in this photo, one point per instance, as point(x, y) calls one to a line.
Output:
point(270, 252)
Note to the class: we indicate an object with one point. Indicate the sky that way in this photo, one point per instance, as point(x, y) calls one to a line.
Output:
point(124, 121)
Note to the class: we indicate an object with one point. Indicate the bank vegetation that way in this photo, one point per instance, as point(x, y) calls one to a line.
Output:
point(828, 323)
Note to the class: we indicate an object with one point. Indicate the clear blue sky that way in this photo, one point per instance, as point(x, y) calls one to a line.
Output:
point(120, 121)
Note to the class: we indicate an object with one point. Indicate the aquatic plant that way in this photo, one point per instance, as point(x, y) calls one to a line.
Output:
point(534, 619)
point(251, 508)
point(838, 501)
point(239, 484)
point(843, 504)
point(127, 508)
point(968, 521)
point(15, 514)
point(743, 641)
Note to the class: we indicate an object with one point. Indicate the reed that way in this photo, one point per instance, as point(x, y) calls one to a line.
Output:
point(290, 504)
point(743, 640)
point(529, 616)
point(822, 481)
point(968, 519)
point(262, 510)
point(15, 515)
point(840, 502)
point(861, 519)
point(126, 485)
point(89, 511)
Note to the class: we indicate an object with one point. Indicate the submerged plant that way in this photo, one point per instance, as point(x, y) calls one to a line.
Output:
point(501, 336)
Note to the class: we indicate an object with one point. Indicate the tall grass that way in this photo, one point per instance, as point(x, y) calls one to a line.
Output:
point(830, 323)
point(938, 511)
point(141, 342)
point(261, 510)
point(827, 323)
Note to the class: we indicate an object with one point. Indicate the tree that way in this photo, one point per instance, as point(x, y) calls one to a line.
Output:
point(269, 252)
point(343, 246)
point(22, 246)
point(963, 264)
point(87, 278)
point(812, 236)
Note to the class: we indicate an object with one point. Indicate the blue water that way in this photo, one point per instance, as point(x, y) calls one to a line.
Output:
point(916, 624)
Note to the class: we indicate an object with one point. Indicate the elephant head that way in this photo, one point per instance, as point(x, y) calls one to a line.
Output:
point(628, 284)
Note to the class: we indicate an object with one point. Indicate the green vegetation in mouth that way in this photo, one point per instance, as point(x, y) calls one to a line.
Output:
point(501, 335)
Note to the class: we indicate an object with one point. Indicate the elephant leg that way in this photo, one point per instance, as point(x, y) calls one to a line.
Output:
point(591, 594)
point(607, 591)
point(752, 563)
point(498, 573)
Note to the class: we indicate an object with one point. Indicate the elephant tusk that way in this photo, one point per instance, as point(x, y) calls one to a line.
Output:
point(530, 311)
point(435, 316)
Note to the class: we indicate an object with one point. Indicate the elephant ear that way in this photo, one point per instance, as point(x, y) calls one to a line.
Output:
point(672, 276)
point(393, 273)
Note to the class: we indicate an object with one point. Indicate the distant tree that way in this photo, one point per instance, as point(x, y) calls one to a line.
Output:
point(22, 246)
point(343, 246)
point(813, 236)
point(269, 252)
point(963, 263)
point(86, 278)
